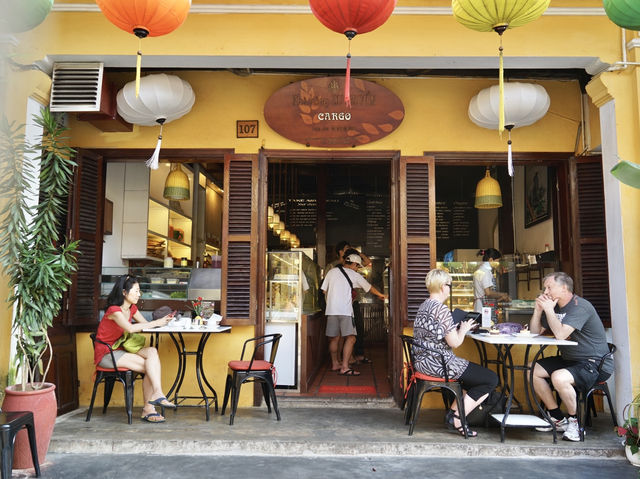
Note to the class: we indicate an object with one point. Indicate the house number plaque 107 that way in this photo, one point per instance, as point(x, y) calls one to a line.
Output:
point(247, 129)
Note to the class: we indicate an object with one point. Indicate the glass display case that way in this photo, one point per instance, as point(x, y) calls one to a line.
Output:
point(461, 283)
point(155, 283)
point(293, 280)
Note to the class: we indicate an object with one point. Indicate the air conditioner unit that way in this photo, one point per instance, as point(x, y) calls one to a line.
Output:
point(82, 88)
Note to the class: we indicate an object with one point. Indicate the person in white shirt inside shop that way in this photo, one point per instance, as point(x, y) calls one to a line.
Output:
point(338, 286)
point(484, 286)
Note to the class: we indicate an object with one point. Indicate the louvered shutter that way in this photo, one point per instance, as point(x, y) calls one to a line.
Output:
point(86, 225)
point(417, 231)
point(590, 241)
point(239, 230)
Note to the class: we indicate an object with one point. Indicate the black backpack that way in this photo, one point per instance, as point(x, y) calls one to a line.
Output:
point(494, 404)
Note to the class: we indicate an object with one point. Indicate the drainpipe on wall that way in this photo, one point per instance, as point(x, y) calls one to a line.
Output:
point(622, 65)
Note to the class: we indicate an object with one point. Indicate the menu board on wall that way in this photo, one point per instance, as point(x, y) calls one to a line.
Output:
point(302, 218)
point(456, 225)
point(346, 219)
point(378, 225)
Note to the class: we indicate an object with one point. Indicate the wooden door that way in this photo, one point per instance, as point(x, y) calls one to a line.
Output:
point(413, 238)
point(589, 239)
point(240, 304)
point(80, 303)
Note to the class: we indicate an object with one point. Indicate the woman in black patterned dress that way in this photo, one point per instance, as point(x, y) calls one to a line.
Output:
point(434, 328)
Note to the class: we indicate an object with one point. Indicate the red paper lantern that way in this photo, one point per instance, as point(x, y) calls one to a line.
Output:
point(352, 17)
point(145, 18)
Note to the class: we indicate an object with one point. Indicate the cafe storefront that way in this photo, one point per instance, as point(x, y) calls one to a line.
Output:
point(400, 185)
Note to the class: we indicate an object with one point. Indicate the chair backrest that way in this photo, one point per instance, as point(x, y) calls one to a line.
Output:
point(260, 341)
point(95, 340)
point(409, 345)
point(603, 359)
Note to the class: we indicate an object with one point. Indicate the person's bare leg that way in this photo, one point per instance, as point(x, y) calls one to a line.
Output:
point(542, 388)
point(349, 341)
point(333, 352)
point(469, 405)
point(152, 371)
point(563, 383)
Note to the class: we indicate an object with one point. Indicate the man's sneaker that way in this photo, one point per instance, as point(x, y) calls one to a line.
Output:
point(561, 425)
point(572, 433)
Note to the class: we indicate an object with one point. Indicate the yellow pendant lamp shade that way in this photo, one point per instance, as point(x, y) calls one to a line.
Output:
point(176, 186)
point(497, 16)
point(488, 193)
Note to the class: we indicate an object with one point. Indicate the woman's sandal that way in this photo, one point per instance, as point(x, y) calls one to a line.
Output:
point(451, 416)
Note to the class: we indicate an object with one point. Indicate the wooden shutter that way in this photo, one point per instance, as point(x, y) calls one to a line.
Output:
point(417, 231)
point(589, 234)
point(85, 221)
point(240, 255)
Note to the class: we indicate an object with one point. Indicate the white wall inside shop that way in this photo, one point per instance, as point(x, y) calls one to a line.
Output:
point(114, 191)
point(533, 239)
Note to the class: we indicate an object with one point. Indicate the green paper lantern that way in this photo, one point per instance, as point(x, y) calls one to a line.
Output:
point(624, 13)
point(22, 15)
point(627, 172)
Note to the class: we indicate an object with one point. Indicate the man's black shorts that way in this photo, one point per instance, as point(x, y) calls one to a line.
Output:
point(585, 373)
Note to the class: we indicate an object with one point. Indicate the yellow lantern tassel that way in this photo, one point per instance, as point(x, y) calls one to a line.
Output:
point(501, 89)
point(138, 67)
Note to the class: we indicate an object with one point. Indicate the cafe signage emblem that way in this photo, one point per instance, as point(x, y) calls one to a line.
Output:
point(312, 112)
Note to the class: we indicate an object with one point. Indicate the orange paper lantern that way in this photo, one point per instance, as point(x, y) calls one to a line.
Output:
point(145, 18)
point(351, 17)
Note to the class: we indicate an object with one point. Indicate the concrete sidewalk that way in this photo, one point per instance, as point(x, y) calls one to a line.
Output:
point(376, 429)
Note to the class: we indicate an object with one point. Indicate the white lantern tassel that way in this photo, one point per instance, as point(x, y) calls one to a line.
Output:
point(155, 158)
point(509, 155)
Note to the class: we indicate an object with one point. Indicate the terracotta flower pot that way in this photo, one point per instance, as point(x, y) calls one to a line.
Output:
point(42, 403)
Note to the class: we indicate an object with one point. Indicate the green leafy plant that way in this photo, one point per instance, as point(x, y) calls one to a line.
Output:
point(629, 430)
point(34, 256)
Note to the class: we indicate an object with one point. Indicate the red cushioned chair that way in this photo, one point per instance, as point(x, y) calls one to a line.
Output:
point(109, 376)
point(10, 423)
point(243, 371)
point(418, 384)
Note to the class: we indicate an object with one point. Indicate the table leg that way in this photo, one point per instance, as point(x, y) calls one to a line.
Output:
point(543, 412)
point(509, 382)
point(201, 376)
point(182, 359)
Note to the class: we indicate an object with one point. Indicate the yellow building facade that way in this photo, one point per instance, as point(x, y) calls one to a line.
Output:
point(236, 54)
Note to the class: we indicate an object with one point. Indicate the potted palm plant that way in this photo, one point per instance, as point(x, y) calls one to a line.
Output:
point(629, 431)
point(36, 260)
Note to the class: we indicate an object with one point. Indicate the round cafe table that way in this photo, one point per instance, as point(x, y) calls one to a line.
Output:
point(207, 396)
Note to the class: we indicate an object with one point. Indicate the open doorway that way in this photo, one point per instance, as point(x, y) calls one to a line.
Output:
point(322, 204)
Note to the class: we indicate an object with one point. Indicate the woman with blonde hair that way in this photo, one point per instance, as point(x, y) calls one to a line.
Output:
point(434, 328)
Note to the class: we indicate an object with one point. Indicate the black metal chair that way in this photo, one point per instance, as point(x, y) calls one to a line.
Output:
point(243, 371)
point(585, 398)
point(418, 384)
point(109, 376)
point(10, 423)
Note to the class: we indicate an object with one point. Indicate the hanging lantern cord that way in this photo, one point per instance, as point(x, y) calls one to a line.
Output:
point(500, 29)
point(155, 158)
point(347, 81)
point(140, 33)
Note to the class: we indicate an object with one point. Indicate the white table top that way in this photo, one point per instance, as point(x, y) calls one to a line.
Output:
point(194, 329)
point(520, 339)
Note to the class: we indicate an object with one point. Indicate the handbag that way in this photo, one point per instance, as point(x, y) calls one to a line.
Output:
point(130, 342)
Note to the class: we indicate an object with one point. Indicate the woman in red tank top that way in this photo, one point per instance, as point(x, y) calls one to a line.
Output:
point(122, 316)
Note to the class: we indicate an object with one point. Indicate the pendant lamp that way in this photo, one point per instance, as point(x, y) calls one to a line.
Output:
point(145, 18)
point(624, 13)
point(497, 16)
point(524, 104)
point(351, 17)
point(488, 193)
point(176, 186)
point(627, 172)
point(22, 15)
point(163, 98)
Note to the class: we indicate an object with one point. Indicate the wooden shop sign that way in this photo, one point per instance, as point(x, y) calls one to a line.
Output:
point(313, 112)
